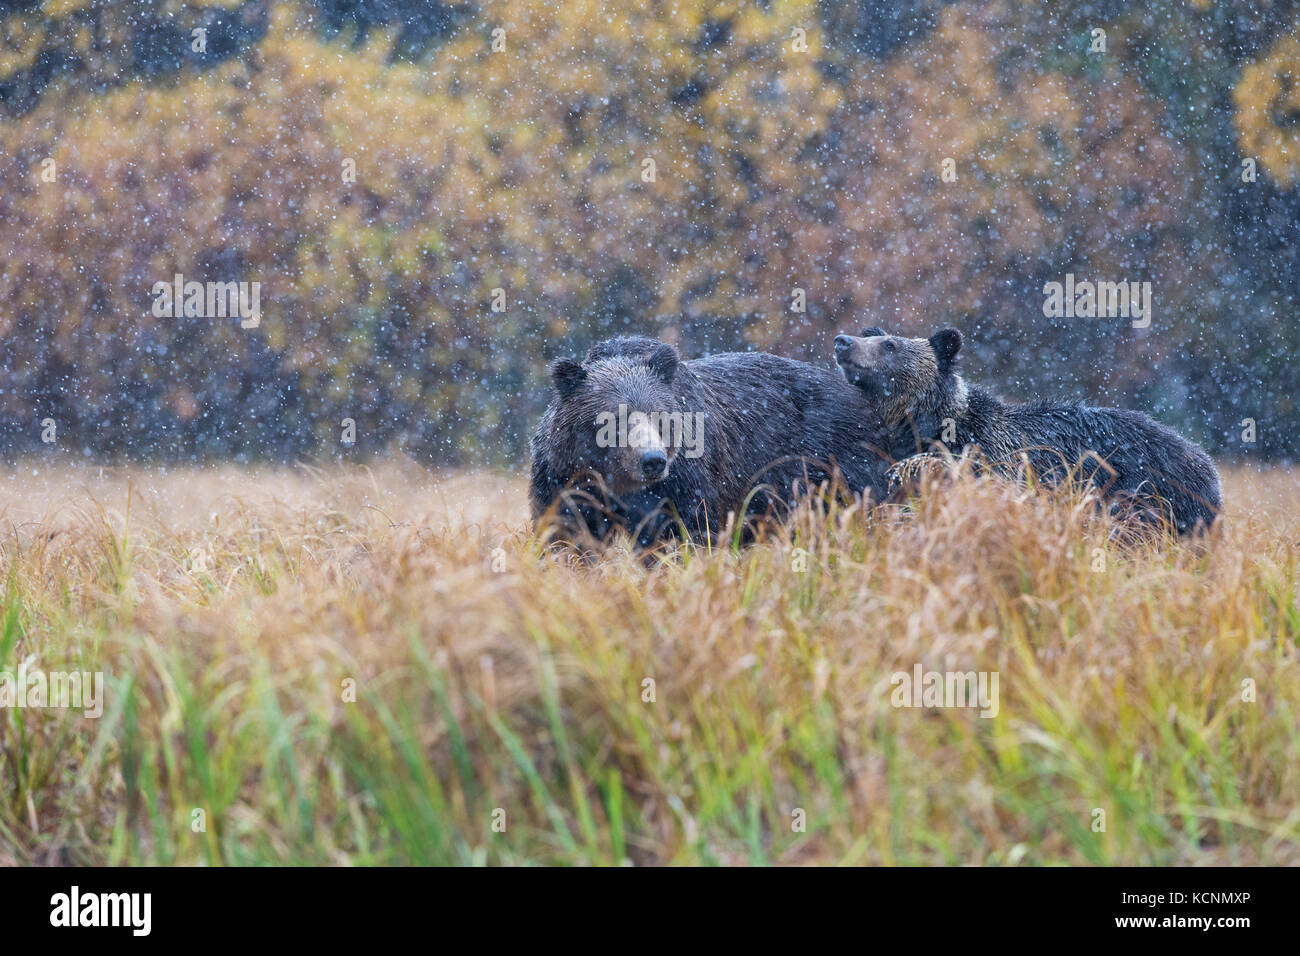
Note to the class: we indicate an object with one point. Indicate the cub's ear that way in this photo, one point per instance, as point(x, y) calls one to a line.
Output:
point(566, 376)
point(663, 362)
point(873, 331)
point(946, 345)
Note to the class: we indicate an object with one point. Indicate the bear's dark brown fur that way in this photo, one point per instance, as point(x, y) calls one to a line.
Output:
point(765, 428)
point(914, 387)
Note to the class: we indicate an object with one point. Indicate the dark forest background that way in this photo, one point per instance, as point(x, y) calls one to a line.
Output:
point(794, 145)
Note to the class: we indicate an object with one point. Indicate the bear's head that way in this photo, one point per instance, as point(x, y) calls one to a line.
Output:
point(610, 413)
point(898, 375)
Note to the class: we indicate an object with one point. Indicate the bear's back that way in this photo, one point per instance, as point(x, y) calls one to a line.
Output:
point(766, 370)
point(779, 414)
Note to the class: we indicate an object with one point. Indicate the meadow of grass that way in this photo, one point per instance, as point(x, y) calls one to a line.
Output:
point(502, 713)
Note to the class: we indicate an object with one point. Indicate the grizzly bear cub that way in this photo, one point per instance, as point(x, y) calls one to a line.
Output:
point(923, 402)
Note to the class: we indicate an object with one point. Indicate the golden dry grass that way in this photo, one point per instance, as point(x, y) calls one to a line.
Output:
point(229, 608)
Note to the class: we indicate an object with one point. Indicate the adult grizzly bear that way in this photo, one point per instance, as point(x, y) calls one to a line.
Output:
point(912, 384)
point(638, 439)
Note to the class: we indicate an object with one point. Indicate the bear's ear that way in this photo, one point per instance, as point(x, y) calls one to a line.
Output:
point(566, 376)
point(872, 332)
point(946, 344)
point(663, 362)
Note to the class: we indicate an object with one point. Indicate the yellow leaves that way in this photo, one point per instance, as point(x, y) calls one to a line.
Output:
point(23, 43)
point(363, 187)
point(1267, 99)
point(62, 8)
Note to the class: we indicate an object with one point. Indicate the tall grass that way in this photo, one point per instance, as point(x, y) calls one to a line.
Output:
point(506, 716)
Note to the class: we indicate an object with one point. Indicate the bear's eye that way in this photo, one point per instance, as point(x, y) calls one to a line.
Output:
point(890, 346)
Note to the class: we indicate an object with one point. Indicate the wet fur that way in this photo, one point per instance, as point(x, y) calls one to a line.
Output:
point(917, 390)
point(772, 426)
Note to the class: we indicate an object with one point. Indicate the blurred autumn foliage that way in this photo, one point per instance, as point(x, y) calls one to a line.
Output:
point(437, 198)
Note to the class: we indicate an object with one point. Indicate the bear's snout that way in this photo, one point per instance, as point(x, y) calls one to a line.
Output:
point(654, 462)
point(842, 345)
